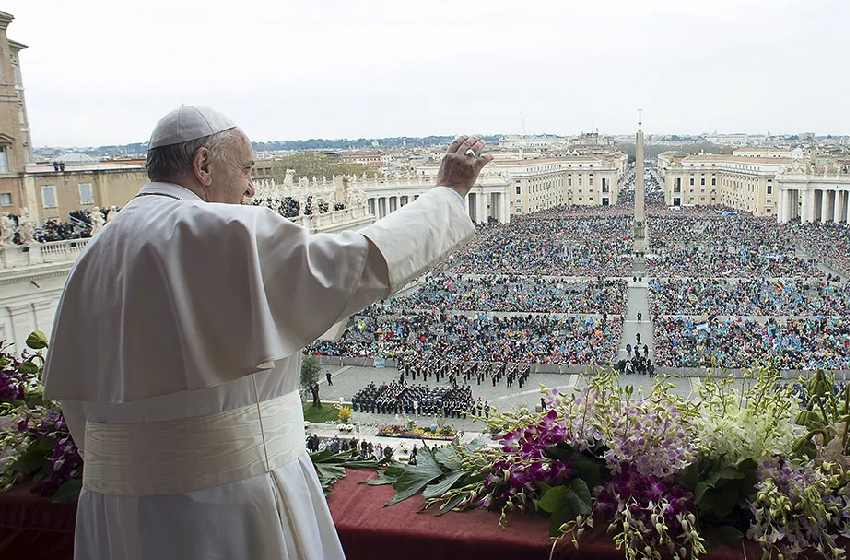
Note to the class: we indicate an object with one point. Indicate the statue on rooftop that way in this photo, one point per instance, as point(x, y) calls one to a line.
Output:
point(26, 228)
point(97, 221)
point(7, 230)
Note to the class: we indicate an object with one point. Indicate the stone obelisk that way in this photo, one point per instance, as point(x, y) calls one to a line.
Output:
point(640, 213)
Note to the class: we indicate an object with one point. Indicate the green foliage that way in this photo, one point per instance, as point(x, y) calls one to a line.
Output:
point(310, 370)
point(331, 467)
point(320, 415)
point(317, 164)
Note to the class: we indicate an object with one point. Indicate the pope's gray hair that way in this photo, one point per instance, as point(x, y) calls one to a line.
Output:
point(172, 162)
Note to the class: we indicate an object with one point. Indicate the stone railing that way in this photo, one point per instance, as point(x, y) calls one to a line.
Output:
point(17, 256)
point(322, 221)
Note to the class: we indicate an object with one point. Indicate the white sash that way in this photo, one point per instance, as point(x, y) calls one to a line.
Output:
point(179, 456)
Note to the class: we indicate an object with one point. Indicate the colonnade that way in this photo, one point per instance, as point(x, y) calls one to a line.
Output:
point(481, 205)
point(811, 204)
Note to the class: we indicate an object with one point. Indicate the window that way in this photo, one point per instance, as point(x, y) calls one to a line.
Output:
point(702, 181)
point(713, 181)
point(85, 194)
point(518, 209)
point(48, 196)
point(4, 163)
point(692, 181)
point(5, 199)
point(519, 200)
point(519, 190)
point(770, 189)
point(570, 181)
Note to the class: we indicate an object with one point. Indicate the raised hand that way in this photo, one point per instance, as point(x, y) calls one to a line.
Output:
point(462, 163)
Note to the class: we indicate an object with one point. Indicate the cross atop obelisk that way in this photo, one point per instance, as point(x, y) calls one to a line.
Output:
point(640, 212)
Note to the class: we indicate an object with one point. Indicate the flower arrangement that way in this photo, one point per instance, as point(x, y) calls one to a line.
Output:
point(668, 476)
point(411, 430)
point(344, 414)
point(345, 427)
point(35, 443)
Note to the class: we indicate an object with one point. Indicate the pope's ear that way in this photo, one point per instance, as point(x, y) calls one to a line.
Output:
point(201, 166)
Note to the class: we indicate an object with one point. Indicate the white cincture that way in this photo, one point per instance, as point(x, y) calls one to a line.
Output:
point(179, 456)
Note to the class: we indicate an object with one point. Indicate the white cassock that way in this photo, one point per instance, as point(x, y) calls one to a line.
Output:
point(176, 354)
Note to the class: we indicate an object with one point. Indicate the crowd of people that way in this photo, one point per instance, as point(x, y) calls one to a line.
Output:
point(748, 297)
point(365, 449)
point(411, 367)
point(738, 342)
point(543, 339)
point(557, 242)
point(704, 227)
point(399, 397)
point(826, 242)
point(731, 262)
point(514, 293)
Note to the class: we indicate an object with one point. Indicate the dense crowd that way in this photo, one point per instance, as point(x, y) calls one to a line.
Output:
point(512, 293)
point(740, 343)
point(706, 228)
point(399, 397)
point(732, 262)
point(829, 243)
point(558, 242)
point(411, 367)
point(517, 339)
point(756, 297)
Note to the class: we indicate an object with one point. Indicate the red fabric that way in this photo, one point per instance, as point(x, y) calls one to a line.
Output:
point(369, 531)
point(33, 528)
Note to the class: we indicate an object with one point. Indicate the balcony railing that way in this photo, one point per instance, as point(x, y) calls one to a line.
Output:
point(17, 256)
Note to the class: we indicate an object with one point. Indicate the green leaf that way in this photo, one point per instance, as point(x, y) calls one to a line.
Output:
point(450, 505)
point(563, 515)
point(46, 443)
point(68, 492)
point(383, 478)
point(690, 476)
point(702, 487)
point(28, 368)
point(443, 486)
point(333, 472)
point(30, 461)
point(415, 477)
point(729, 535)
point(580, 489)
point(588, 471)
point(726, 500)
point(447, 456)
point(554, 500)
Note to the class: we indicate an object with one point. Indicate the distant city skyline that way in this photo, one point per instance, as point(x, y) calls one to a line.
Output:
point(102, 73)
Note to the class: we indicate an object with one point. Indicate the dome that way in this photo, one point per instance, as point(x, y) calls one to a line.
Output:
point(75, 158)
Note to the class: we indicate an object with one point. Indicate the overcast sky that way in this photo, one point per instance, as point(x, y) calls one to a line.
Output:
point(103, 72)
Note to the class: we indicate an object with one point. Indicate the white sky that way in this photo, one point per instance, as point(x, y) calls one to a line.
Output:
point(104, 71)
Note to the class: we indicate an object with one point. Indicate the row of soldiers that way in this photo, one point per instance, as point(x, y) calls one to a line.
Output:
point(397, 398)
point(458, 372)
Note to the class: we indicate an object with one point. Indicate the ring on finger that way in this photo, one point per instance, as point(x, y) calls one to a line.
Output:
point(470, 152)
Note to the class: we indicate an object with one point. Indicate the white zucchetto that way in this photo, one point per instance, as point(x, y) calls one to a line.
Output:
point(188, 123)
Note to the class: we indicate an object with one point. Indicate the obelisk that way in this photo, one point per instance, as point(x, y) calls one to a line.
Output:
point(640, 213)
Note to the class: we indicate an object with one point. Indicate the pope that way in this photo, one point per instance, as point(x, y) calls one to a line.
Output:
point(177, 346)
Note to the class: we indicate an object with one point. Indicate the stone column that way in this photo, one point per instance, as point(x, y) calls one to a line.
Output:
point(824, 206)
point(780, 206)
point(481, 210)
point(808, 206)
point(836, 206)
point(22, 326)
point(847, 196)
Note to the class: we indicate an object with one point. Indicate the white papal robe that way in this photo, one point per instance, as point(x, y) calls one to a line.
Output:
point(176, 355)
